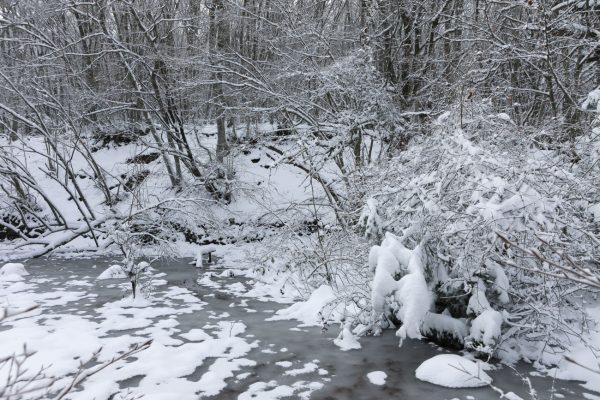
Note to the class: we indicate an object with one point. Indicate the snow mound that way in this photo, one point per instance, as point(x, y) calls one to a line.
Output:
point(309, 311)
point(377, 377)
point(346, 340)
point(196, 335)
point(113, 272)
point(486, 328)
point(453, 371)
point(13, 272)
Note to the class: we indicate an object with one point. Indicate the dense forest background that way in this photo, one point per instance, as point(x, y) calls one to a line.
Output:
point(385, 66)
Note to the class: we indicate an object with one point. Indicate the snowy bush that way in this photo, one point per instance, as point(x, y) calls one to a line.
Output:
point(356, 93)
point(331, 262)
point(442, 270)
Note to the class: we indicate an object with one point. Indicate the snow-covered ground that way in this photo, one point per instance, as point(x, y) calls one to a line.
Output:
point(263, 190)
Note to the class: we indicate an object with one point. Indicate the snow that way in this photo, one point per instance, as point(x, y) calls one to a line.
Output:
point(377, 377)
point(206, 281)
point(389, 260)
point(308, 312)
point(453, 371)
point(478, 301)
point(595, 211)
point(230, 328)
point(442, 119)
point(592, 100)
point(207, 249)
point(199, 260)
point(414, 297)
point(12, 272)
point(383, 281)
point(486, 328)
point(272, 391)
point(196, 335)
point(113, 272)
point(446, 325)
point(373, 257)
point(513, 396)
point(243, 376)
point(504, 117)
point(394, 244)
point(584, 354)
point(370, 220)
point(237, 288)
point(13, 268)
point(308, 367)
point(284, 364)
point(411, 293)
point(501, 282)
point(213, 381)
point(346, 340)
point(266, 391)
point(202, 250)
point(143, 266)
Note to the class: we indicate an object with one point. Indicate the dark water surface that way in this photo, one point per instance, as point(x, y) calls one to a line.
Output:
point(346, 370)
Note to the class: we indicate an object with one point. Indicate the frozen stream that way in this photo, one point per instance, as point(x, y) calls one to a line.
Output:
point(211, 342)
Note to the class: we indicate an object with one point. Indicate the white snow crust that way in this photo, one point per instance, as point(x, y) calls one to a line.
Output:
point(453, 371)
